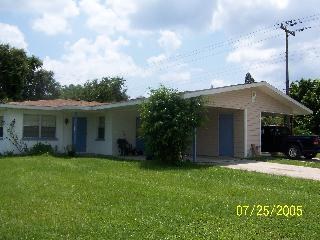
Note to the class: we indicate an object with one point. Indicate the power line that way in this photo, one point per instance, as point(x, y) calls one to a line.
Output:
point(234, 40)
point(272, 60)
point(158, 66)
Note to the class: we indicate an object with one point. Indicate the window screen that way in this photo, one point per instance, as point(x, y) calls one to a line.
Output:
point(48, 126)
point(31, 125)
point(101, 127)
point(36, 126)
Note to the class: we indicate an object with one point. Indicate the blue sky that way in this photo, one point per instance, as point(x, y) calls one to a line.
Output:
point(186, 45)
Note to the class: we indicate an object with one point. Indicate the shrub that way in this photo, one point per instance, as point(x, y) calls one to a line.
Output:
point(41, 148)
point(8, 153)
point(168, 121)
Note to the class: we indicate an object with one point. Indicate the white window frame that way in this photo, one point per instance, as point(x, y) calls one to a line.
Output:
point(104, 127)
point(39, 137)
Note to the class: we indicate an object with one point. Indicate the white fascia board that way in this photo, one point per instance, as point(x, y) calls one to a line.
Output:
point(118, 105)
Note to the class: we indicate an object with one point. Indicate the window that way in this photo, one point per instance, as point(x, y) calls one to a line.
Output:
point(1, 126)
point(101, 127)
point(48, 126)
point(39, 126)
point(31, 125)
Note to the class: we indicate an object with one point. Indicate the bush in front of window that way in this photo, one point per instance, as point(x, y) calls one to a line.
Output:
point(41, 148)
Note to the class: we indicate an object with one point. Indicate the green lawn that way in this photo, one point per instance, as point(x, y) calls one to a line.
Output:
point(95, 198)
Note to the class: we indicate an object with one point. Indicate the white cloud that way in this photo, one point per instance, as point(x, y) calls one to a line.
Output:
point(88, 59)
point(230, 12)
point(51, 24)
point(246, 52)
point(169, 41)
point(156, 59)
point(12, 35)
point(54, 15)
point(107, 18)
point(267, 63)
point(173, 77)
point(264, 63)
point(218, 83)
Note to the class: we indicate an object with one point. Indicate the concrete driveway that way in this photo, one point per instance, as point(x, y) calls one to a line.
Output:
point(266, 167)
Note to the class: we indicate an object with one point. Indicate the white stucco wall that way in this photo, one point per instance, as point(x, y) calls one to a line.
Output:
point(123, 126)
point(99, 146)
point(17, 114)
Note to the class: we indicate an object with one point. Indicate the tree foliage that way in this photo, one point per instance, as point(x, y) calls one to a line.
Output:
point(272, 120)
point(307, 92)
point(249, 79)
point(23, 78)
point(42, 85)
point(14, 69)
point(168, 121)
point(104, 90)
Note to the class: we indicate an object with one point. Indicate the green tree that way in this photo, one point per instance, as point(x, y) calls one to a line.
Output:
point(272, 120)
point(14, 69)
point(249, 79)
point(41, 85)
point(23, 78)
point(168, 121)
point(105, 90)
point(307, 92)
point(72, 91)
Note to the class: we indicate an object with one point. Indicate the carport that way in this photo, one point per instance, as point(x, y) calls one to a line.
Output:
point(234, 118)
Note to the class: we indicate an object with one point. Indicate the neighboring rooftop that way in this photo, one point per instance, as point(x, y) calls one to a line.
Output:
point(58, 103)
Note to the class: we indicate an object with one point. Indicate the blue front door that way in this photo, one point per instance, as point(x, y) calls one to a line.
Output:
point(226, 135)
point(79, 134)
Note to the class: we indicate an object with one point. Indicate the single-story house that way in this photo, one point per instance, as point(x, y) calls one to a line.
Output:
point(233, 125)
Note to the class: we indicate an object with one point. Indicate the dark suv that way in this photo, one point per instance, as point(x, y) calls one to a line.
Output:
point(279, 139)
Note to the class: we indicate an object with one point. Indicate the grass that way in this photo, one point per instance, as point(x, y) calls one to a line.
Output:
point(46, 197)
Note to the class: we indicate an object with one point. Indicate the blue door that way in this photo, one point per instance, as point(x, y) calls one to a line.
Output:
point(226, 135)
point(79, 134)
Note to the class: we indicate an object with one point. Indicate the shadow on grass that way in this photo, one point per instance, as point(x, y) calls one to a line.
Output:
point(144, 164)
point(160, 166)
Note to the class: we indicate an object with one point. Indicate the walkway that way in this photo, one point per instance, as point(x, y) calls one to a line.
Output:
point(265, 167)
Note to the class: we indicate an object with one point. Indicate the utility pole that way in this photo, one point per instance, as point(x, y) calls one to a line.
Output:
point(288, 120)
point(287, 64)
